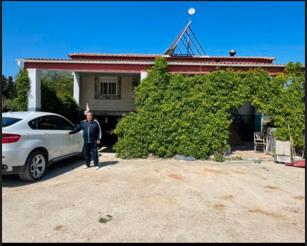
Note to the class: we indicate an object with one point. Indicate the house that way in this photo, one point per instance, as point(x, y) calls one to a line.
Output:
point(105, 82)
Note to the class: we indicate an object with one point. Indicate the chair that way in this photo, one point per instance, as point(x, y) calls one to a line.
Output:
point(259, 140)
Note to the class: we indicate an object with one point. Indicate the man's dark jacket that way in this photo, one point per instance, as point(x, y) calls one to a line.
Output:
point(91, 130)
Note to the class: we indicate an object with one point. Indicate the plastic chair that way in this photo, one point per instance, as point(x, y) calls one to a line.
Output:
point(259, 141)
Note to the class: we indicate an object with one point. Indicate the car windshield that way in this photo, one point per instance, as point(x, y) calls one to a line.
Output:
point(7, 121)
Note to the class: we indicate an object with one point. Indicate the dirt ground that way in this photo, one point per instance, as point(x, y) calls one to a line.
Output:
point(157, 200)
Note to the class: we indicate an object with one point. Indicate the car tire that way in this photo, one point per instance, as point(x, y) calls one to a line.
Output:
point(35, 166)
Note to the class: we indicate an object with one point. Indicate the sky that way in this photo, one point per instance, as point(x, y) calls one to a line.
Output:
point(55, 29)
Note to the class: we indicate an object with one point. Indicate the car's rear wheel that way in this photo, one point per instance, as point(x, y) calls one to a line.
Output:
point(35, 166)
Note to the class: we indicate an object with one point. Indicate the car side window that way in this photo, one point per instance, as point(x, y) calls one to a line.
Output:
point(46, 123)
point(33, 124)
point(62, 124)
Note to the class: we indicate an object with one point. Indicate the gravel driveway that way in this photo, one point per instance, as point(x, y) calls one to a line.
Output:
point(156, 200)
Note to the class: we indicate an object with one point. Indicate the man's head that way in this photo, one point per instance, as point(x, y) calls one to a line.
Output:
point(89, 116)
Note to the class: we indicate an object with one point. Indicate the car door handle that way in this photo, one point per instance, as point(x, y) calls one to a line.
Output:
point(45, 134)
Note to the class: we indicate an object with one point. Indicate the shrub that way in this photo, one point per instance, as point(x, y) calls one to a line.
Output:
point(20, 103)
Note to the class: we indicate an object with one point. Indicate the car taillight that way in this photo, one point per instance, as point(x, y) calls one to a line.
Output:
point(10, 138)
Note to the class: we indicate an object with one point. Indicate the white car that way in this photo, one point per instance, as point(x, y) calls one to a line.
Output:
point(33, 140)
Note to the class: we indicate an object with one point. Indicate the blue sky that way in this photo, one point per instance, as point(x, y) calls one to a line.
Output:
point(54, 29)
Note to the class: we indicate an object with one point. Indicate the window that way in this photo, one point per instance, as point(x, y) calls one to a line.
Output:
point(46, 123)
point(7, 121)
point(63, 124)
point(51, 122)
point(33, 124)
point(107, 87)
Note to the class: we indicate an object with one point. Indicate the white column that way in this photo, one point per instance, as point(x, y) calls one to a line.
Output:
point(143, 75)
point(76, 87)
point(34, 94)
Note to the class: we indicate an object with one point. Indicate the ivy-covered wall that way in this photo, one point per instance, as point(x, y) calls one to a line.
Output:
point(191, 115)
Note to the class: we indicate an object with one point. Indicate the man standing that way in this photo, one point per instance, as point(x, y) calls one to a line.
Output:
point(91, 135)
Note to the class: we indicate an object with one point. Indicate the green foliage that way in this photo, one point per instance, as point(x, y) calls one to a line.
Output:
point(56, 97)
point(8, 92)
point(282, 98)
point(132, 145)
point(61, 82)
point(20, 103)
point(57, 94)
point(8, 87)
point(191, 115)
point(176, 116)
point(286, 105)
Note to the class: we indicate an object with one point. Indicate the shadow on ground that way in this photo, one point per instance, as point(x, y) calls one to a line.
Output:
point(52, 171)
point(107, 163)
point(244, 146)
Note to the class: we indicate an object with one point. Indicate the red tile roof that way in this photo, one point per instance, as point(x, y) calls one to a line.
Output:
point(134, 63)
point(159, 55)
point(115, 55)
point(89, 56)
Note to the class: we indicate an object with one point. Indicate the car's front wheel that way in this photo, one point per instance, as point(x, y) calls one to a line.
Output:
point(35, 166)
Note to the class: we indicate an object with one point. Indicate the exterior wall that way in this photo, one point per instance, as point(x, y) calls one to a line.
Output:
point(126, 103)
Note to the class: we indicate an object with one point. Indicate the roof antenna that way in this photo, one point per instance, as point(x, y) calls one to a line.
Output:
point(191, 12)
point(187, 41)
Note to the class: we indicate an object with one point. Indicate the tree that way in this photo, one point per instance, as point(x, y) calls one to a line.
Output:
point(8, 87)
point(56, 89)
point(61, 82)
point(57, 94)
point(8, 92)
point(20, 103)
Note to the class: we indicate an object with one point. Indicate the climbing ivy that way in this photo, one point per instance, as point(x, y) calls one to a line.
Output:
point(282, 98)
point(191, 115)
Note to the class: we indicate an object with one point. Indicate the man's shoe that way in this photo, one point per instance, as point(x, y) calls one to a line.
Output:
point(97, 167)
point(86, 166)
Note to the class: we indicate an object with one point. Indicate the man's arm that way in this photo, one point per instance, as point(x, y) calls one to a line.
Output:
point(78, 128)
point(100, 133)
